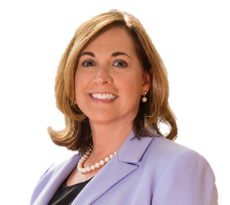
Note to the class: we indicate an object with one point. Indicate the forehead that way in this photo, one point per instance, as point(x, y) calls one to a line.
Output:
point(113, 38)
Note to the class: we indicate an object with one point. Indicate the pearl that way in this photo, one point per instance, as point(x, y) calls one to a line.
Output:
point(107, 159)
point(97, 165)
point(92, 167)
point(144, 99)
point(102, 162)
point(88, 169)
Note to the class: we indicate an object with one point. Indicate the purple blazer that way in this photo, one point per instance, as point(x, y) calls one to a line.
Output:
point(152, 170)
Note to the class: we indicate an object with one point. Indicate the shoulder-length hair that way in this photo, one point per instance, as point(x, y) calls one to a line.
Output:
point(77, 133)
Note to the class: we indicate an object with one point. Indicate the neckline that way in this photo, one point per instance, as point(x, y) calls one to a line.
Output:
point(74, 185)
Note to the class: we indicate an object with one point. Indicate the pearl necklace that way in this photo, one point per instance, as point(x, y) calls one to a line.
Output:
point(92, 167)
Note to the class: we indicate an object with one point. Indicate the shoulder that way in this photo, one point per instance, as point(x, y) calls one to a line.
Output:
point(163, 144)
point(60, 166)
point(181, 172)
point(55, 173)
point(176, 157)
point(170, 150)
point(55, 167)
point(165, 148)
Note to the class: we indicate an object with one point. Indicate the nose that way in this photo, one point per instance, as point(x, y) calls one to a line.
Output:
point(103, 76)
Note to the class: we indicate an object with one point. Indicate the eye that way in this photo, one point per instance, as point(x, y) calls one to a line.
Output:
point(120, 64)
point(88, 63)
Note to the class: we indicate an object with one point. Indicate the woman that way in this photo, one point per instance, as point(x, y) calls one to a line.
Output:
point(112, 87)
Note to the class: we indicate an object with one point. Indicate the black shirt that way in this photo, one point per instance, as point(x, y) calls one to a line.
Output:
point(65, 195)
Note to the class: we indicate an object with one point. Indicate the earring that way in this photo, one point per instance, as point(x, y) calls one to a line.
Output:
point(75, 102)
point(144, 99)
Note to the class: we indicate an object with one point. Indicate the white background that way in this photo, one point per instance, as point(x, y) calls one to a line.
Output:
point(192, 38)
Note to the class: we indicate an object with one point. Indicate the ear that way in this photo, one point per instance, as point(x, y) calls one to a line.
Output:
point(146, 84)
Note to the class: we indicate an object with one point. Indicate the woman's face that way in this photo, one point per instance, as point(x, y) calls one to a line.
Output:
point(109, 80)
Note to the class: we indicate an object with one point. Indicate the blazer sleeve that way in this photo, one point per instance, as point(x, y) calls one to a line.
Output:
point(187, 179)
point(40, 185)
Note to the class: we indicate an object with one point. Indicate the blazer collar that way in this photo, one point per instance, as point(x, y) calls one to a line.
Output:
point(133, 149)
point(121, 165)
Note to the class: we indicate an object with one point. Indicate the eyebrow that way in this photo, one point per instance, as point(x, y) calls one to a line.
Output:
point(113, 55)
point(88, 53)
point(119, 53)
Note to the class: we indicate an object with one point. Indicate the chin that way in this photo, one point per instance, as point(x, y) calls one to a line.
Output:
point(101, 118)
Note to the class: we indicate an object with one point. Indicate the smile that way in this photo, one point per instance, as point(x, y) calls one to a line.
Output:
point(104, 96)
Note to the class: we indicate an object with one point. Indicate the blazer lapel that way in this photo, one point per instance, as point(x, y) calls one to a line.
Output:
point(121, 165)
point(56, 180)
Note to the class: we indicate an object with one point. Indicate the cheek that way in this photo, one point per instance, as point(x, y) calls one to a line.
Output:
point(132, 87)
point(80, 80)
point(79, 84)
point(76, 87)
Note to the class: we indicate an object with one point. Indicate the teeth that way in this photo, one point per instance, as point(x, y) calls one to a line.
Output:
point(104, 96)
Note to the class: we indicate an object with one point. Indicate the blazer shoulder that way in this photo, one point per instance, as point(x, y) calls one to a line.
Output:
point(52, 170)
point(183, 174)
point(164, 153)
point(54, 173)
point(170, 149)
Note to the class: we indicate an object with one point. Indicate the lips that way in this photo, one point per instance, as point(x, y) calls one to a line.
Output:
point(104, 96)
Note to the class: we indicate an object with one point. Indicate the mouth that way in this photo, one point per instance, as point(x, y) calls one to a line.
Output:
point(104, 96)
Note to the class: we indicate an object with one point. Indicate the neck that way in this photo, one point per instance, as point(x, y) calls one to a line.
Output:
point(107, 138)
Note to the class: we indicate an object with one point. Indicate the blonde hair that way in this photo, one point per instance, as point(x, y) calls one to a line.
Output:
point(77, 134)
